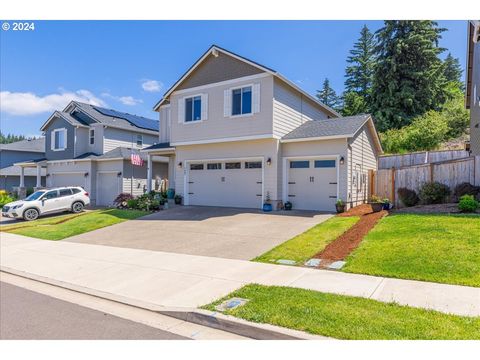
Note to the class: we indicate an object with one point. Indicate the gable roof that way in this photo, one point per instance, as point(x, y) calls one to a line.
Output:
point(33, 145)
point(116, 153)
point(215, 48)
point(108, 117)
point(15, 170)
point(342, 127)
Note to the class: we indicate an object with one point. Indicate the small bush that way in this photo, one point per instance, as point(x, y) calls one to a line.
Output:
point(122, 199)
point(468, 204)
point(466, 189)
point(408, 197)
point(132, 203)
point(5, 199)
point(30, 191)
point(434, 193)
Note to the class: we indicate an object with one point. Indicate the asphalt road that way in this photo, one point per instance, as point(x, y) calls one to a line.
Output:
point(28, 315)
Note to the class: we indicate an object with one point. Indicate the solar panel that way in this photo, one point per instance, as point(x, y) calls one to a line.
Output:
point(138, 121)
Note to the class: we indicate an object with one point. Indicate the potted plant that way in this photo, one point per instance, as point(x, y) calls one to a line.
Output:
point(376, 203)
point(288, 205)
point(170, 193)
point(340, 206)
point(386, 204)
point(178, 199)
point(267, 205)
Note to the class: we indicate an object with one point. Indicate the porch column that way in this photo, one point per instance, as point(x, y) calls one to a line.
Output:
point(22, 176)
point(39, 176)
point(149, 172)
point(171, 171)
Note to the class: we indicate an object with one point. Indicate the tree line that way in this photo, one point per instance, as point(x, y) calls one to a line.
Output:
point(396, 74)
point(11, 138)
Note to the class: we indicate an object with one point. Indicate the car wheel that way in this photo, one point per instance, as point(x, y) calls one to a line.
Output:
point(77, 207)
point(30, 214)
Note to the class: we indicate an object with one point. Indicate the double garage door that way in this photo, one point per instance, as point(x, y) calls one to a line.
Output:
point(312, 184)
point(231, 183)
point(67, 179)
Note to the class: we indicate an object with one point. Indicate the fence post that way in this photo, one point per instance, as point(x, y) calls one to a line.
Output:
point(431, 172)
point(393, 185)
point(371, 187)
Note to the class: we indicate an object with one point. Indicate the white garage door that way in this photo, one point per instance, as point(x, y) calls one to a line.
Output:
point(235, 183)
point(312, 184)
point(107, 188)
point(67, 179)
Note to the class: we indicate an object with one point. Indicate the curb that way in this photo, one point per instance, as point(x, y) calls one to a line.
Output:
point(215, 320)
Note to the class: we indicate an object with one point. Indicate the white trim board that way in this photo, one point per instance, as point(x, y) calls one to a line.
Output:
point(220, 140)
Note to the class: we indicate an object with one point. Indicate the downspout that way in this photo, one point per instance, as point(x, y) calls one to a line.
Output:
point(349, 159)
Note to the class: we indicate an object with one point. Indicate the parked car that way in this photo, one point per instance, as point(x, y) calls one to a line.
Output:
point(48, 201)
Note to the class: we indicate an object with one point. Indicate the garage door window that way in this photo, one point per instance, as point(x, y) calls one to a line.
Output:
point(253, 164)
point(214, 166)
point(232, 165)
point(304, 164)
point(324, 163)
point(196, 166)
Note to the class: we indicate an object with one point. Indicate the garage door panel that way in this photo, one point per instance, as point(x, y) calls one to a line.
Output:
point(235, 187)
point(60, 180)
point(312, 184)
point(107, 188)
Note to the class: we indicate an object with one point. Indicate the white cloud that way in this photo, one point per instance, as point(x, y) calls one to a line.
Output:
point(125, 100)
point(28, 103)
point(151, 85)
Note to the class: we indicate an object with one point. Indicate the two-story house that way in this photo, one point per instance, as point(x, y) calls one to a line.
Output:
point(92, 147)
point(238, 133)
point(472, 93)
point(10, 154)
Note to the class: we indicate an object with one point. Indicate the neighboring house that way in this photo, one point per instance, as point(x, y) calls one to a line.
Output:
point(90, 146)
point(25, 150)
point(472, 100)
point(237, 132)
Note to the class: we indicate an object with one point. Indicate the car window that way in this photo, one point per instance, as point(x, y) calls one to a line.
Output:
point(50, 195)
point(75, 190)
point(65, 192)
point(35, 196)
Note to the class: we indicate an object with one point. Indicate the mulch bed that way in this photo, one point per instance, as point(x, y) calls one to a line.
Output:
point(341, 247)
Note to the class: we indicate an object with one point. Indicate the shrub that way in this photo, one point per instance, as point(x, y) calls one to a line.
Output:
point(30, 191)
point(466, 189)
point(132, 203)
point(434, 193)
point(408, 197)
point(5, 199)
point(122, 199)
point(144, 202)
point(468, 204)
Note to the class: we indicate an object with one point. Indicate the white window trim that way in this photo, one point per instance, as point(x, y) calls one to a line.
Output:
point(90, 137)
point(184, 99)
point(136, 140)
point(251, 113)
point(52, 139)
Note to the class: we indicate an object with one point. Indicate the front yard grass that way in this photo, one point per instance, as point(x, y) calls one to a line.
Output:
point(346, 317)
point(438, 248)
point(61, 227)
point(302, 247)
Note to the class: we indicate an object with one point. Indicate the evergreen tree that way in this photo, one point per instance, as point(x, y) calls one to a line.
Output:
point(409, 77)
point(453, 71)
point(10, 138)
point(359, 74)
point(328, 96)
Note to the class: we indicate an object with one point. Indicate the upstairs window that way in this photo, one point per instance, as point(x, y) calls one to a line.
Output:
point(59, 139)
point(92, 136)
point(139, 140)
point(193, 109)
point(242, 101)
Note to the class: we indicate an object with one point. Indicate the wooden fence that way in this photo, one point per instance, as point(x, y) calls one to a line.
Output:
point(386, 182)
point(419, 158)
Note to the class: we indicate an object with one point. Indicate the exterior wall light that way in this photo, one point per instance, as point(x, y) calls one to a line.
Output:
point(86, 174)
point(342, 160)
point(180, 164)
point(269, 161)
point(119, 174)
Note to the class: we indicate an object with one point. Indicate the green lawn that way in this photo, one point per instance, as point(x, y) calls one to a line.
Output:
point(61, 227)
point(438, 248)
point(346, 317)
point(302, 247)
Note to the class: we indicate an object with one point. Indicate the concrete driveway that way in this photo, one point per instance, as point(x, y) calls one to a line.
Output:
point(208, 231)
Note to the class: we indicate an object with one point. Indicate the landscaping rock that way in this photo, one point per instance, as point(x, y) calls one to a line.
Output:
point(313, 262)
point(337, 265)
point(231, 304)
point(286, 262)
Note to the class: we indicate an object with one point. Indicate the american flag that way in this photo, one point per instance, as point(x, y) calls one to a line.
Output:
point(136, 160)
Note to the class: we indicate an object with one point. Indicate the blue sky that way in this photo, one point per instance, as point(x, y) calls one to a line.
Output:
point(128, 65)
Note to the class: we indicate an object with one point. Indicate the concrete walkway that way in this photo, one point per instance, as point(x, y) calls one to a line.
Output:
point(168, 281)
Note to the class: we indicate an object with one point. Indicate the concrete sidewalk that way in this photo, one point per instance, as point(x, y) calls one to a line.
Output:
point(168, 281)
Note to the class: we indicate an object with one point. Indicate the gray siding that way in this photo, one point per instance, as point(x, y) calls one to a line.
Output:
point(475, 102)
point(291, 109)
point(113, 138)
point(69, 152)
point(215, 69)
point(9, 157)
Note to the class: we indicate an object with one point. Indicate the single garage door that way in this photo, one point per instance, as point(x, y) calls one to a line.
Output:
point(312, 184)
point(107, 188)
point(234, 183)
point(67, 179)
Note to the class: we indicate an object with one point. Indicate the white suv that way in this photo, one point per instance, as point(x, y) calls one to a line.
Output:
point(46, 202)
